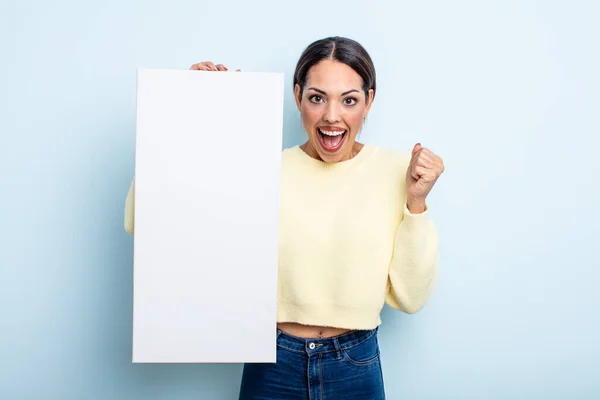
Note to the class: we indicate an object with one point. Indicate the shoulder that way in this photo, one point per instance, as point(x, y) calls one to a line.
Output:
point(394, 159)
point(291, 158)
point(289, 152)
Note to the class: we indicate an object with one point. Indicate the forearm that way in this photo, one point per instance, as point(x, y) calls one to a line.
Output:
point(129, 217)
point(414, 268)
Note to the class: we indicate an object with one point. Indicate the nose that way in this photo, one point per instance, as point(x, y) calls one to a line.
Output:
point(332, 114)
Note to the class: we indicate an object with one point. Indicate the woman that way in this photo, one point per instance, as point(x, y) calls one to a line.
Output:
point(354, 234)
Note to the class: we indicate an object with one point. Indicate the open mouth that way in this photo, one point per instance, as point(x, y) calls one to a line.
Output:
point(331, 139)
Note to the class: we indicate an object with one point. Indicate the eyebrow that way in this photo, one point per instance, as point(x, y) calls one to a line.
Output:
point(323, 93)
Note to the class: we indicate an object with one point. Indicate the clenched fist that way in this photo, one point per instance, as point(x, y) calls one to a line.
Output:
point(424, 169)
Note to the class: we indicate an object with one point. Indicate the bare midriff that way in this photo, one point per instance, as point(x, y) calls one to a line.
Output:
point(310, 332)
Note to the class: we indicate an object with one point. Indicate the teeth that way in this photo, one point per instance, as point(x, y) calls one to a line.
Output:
point(329, 133)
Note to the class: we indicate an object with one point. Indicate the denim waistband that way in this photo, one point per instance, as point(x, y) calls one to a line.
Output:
point(323, 345)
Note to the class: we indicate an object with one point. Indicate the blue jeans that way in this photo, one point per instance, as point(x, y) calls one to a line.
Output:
point(344, 367)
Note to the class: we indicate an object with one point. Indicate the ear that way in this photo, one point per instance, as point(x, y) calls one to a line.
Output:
point(297, 96)
point(369, 102)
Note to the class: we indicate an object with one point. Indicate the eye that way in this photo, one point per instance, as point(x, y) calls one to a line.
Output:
point(315, 98)
point(350, 101)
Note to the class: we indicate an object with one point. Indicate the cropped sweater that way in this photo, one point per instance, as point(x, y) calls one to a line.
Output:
point(347, 242)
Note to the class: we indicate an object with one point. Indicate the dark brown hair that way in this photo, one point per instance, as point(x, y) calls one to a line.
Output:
point(341, 49)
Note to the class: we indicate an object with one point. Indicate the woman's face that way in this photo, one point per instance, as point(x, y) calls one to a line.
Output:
point(333, 106)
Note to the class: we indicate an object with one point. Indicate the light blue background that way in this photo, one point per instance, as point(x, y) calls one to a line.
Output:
point(507, 92)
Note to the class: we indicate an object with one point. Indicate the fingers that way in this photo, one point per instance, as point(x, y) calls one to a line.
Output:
point(197, 67)
point(203, 66)
point(209, 66)
point(421, 156)
point(432, 160)
point(414, 173)
point(425, 164)
point(424, 160)
point(419, 171)
point(425, 157)
point(416, 148)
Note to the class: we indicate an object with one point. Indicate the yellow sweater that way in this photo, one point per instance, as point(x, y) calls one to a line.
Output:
point(347, 242)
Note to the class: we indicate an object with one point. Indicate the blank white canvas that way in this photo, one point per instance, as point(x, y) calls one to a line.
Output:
point(208, 162)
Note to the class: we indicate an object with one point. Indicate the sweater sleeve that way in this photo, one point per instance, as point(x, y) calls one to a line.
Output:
point(414, 268)
point(130, 209)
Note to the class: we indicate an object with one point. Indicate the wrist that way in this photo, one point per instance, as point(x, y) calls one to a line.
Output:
point(416, 206)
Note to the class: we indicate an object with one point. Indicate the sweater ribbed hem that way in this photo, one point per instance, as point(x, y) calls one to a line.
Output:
point(328, 315)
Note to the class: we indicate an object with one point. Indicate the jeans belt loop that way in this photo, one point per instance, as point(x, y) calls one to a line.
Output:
point(338, 350)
